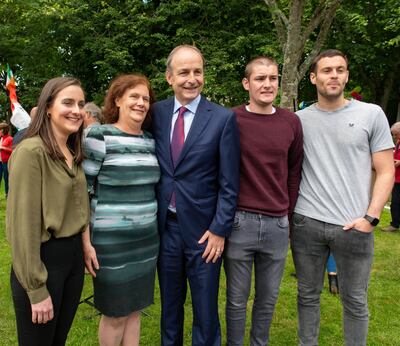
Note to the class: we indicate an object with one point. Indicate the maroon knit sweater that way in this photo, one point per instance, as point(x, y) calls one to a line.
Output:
point(271, 158)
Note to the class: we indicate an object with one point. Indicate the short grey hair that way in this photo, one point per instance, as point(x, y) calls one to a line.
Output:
point(395, 127)
point(183, 46)
point(94, 111)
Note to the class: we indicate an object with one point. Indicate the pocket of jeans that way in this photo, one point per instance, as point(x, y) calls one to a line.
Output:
point(298, 220)
point(236, 223)
point(283, 222)
point(360, 232)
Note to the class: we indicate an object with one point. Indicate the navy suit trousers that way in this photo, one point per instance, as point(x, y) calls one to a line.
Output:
point(179, 263)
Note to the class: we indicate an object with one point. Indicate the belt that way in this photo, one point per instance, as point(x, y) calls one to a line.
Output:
point(171, 215)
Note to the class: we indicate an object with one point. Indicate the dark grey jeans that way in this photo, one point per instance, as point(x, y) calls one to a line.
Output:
point(311, 242)
point(263, 241)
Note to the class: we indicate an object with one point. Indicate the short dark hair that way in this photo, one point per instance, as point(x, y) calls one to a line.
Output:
point(329, 53)
point(117, 89)
point(41, 124)
point(260, 60)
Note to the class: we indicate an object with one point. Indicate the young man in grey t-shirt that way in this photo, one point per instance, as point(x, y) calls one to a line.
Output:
point(335, 211)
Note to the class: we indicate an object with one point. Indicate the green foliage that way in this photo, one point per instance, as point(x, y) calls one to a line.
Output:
point(368, 32)
point(97, 40)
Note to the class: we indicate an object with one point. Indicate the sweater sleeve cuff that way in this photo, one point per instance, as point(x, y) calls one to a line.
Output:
point(38, 295)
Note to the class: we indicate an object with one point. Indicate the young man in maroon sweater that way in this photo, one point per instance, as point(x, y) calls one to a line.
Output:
point(271, 157)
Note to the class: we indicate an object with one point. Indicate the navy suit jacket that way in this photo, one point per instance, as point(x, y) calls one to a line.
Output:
point(206, 176)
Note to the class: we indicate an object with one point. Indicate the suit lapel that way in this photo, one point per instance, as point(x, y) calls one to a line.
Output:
point(200, 120)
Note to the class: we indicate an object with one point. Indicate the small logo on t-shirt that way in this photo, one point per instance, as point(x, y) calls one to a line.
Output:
point(351, 124)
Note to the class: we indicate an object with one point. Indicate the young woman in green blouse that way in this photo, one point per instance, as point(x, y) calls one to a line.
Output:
point(47, 210)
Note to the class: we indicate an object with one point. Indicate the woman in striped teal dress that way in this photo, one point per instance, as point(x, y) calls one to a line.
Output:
point(122, 246)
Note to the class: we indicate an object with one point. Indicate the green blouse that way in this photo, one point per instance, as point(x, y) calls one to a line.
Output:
point(46, 198)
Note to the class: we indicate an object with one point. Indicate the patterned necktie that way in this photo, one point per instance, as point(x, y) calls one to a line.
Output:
point(178, 136)
point(178, 139)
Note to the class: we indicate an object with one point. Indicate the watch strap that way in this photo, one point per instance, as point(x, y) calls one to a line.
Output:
point(372, 220)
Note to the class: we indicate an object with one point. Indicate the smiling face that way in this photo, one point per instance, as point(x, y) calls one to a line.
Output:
point(262, 85)
point(134, 105)
point(330, 77)
point(66, 111)
point(186, 75)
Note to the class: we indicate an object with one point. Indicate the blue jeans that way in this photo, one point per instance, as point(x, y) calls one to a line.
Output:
point(311, 242)
point(4, 173)
point(263, 241)
point(331, 264)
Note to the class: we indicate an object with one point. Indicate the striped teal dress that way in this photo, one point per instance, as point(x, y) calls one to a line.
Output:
point(122, 170)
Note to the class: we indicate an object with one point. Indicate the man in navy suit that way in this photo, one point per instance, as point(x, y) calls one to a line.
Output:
point(197, 145)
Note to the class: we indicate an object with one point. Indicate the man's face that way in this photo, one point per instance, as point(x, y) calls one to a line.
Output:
point(330, 77)
point(186, 75)
point(262, 85)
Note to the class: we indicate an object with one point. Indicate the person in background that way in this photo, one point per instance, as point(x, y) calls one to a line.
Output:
point(121, 247)
point(395, 202)
point(5, 151)
point(271, 143)
point(93, 117)
point(47, 210)
point(332, 275)
point(19, 136)
point(336, 211)
point(197, 146)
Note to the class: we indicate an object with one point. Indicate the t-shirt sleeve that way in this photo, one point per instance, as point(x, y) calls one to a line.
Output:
point(95, 152)
point(380, 137)
point(24, 222)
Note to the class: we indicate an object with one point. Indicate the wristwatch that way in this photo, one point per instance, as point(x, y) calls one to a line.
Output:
point(372, 220)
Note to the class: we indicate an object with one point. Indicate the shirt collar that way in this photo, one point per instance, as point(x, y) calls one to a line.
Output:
point(191, 106)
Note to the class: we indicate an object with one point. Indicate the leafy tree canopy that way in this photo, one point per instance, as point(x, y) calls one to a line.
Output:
point(96, 40)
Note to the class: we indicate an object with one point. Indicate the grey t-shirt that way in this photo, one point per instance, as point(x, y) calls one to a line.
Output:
point(336, 175)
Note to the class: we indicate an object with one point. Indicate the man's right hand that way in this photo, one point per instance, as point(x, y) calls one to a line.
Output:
point(42, 312)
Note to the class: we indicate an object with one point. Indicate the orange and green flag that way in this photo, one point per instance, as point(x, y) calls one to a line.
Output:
point(20, 118)
point(11, 87)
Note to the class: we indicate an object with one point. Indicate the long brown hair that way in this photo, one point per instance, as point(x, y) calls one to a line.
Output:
point(117, 89)
point(41, 125)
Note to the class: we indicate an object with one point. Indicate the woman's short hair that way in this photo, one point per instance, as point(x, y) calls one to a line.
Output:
point(117, 89)
point(41, 123)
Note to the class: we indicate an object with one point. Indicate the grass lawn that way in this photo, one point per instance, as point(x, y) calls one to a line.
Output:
point(384, 304)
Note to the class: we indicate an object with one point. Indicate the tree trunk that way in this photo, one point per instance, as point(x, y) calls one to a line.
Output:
point(387, 90)
point(293, 34)
point(388, 86)
point(289, 85)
